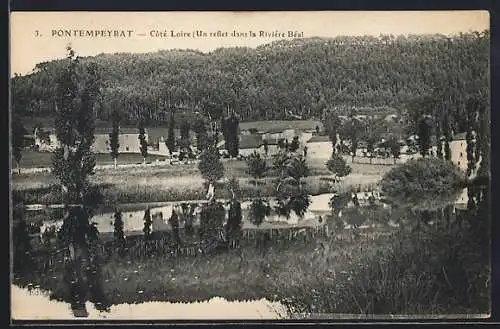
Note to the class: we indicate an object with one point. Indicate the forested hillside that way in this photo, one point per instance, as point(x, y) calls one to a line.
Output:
point(303, 76)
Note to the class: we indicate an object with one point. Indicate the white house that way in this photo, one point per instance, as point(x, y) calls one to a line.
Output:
point(458, 148)
point(248, 144)
point(319, 147)
point(128, 140)
point(278, 133)
point(46, 140)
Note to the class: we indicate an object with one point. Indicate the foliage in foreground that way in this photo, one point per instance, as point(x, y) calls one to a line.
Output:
point(435, 273)
point(425, 183)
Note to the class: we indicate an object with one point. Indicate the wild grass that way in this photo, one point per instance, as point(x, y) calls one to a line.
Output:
point(149, 189)
point(253, 272)
point(431, 273)
point(179, 182)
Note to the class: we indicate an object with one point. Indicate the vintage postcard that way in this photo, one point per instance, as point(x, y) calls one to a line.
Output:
point(250, 165)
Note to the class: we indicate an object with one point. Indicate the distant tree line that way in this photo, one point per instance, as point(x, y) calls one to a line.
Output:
point(281, 79)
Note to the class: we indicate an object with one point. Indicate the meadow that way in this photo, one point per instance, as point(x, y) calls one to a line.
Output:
point(184, 182)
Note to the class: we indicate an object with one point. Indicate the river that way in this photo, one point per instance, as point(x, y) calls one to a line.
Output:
point(133, 216)
point(35, 305)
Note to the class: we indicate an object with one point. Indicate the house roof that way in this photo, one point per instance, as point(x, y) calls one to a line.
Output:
point(280, 125)
point(270, 141)
point(103, 130)
point(123, 130)
point(319, 139)
point(247, 142)
point(276, 130)
point(250, 141)
point(459, 136)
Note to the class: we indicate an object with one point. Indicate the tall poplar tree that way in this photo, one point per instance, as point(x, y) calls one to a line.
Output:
point(439, 142)
point(230, 133)
point(114, 137)
point(143, 144)
point(17, 137)
point(118, 229)
point(447, 136)
point(424, 136)
point(73, 162)
point(332, 126)
point(469, 137)
point(171, 135)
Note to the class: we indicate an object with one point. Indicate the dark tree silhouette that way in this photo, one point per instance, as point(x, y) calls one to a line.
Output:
point(257, 166)
point(395, 148)
point(338, 166)
point(424, 136)
point(147, 224)
point(17, 135)
point(114, 136)
point(170, 142)
point(118, 229)
point(259, 209)
point(143, 143)
point(332, 127)
point(230, 133)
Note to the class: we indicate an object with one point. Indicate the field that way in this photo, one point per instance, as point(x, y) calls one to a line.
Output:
point(184, 182)
point(33, 159)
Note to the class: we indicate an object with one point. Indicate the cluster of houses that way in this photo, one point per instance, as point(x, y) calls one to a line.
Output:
point(252, 138)
point(46, 140)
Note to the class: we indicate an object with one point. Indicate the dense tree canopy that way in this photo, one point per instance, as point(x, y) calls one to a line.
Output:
point(300, 77)
point(425, 183)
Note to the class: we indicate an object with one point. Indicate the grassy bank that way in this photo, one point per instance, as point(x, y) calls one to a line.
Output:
point(430, 273)
point(181, 182)
point(153, 189)
point(251, 273)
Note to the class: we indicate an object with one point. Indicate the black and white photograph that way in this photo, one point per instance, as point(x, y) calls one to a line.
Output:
point(208, 166)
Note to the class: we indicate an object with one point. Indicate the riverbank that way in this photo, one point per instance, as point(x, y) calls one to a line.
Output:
point(251, 273)
point(140, 188)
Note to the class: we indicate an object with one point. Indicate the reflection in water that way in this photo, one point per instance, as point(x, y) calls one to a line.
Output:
point(214, 309)
point(188, 216)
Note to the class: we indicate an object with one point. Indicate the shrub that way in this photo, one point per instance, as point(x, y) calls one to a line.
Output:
point(425, 183)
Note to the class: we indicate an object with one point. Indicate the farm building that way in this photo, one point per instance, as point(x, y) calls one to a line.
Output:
point(277, 133)
point(46, 140)
point(458, 147)
point(250, 144)
point(319, 147)
point(128, 140)
point(280, 126)
point(272, 147)
point(160, 134)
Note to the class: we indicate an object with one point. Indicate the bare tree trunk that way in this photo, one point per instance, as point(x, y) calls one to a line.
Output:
point(116, 162)
point(18, 168)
